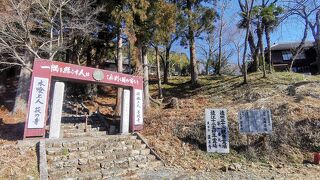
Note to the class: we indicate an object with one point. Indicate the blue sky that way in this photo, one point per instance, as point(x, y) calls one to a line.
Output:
point(289, 31)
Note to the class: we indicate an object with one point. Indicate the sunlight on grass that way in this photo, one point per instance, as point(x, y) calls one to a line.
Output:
point(221, 84)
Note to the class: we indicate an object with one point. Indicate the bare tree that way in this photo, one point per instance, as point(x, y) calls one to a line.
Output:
point(309, 11)
point(30, 29)
point(238, 46)
point(208, 49)
point(223, 6)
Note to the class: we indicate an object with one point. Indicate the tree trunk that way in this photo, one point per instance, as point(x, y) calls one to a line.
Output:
point(268, 49)
point(220, 46)
point(238, 56)
point(254, 51)
point(300, 47)
point(193, 61)
point(207, 66)
point(259, 45)
point(137, 59)
point(244, 64)
point(245, 81)
point(261, 49)
point(68, 56)
point(129, 57)
point(145, 78)
point(91, 89)
point(166, 66)
point(192, 45)
point(119, 69)
point(158, 74)
point(89, 56)
point(22, 94)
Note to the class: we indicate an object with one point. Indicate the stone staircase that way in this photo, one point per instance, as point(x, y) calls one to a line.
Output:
point(76, 127)
point(92, 154)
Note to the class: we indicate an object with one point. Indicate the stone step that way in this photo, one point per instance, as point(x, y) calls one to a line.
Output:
point(88, 175)
point(56, 154)
point(81, 125)
point(93, 164)
point(109, 173)
point(98, 143)
point(154, 164)
point(84, 134)
point(108, 157)
point(89, 129)
point(74, 174)
point(63, 173)
point(83, 141)
point(79, 119)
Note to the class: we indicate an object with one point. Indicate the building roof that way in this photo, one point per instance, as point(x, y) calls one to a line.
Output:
point(291, 45)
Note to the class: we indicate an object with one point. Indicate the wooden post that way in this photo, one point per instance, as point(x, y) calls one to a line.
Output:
point(86, 125)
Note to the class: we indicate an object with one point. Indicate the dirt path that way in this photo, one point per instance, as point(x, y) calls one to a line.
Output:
point(294, 173)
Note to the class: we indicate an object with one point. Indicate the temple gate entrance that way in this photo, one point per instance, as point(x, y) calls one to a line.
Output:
point(44, 71)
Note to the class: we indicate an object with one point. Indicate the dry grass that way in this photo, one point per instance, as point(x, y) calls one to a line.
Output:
point(17, 164)
point(178, 135)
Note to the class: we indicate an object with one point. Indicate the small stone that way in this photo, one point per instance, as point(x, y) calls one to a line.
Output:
point(309, 165)
point(142, 165)
point(84, 154)
point(235, 167)
point(145, 152)
point(56, 144)
point(134, 152)
point(82, 161)
point(83, 148)
point(30, 177)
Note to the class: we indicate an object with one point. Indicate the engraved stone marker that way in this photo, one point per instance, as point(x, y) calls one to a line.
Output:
point(125, 112)
point(56, 112)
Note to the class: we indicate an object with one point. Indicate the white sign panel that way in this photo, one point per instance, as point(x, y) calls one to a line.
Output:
point(125, 112)
point(138, 107)
point(217, 133)
point(38, 102)
point(255, 121)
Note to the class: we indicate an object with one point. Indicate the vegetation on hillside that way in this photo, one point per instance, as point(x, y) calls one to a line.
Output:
point(178, 135)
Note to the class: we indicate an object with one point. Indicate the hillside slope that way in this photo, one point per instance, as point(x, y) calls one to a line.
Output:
point(178, 135)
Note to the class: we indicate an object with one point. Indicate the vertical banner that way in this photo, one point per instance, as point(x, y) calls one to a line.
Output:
point(38, 103)
point(255, 121)
point(217, 133)
point(138, 107)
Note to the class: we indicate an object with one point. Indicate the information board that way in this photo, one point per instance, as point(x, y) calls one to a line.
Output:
point(217, 133)
point(255, 121)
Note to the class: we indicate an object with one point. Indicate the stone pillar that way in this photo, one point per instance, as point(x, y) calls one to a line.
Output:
point(56, 110)
point(125, 112)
